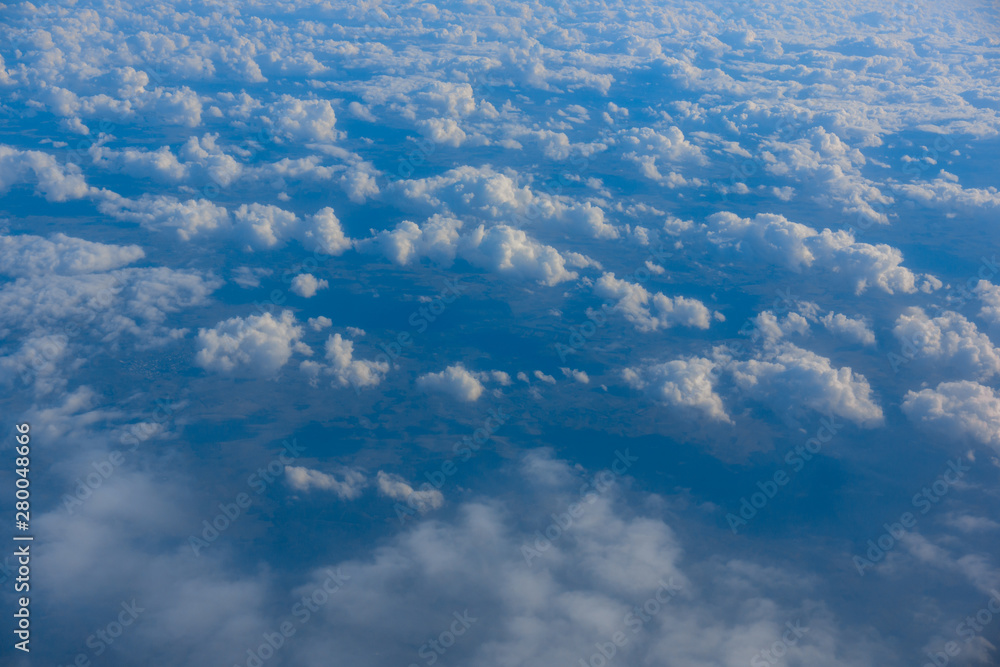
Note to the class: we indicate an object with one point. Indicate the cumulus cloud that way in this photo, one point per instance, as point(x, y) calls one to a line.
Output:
point(27, 255)
point(256, 345)
point(578, 376)
point(348, 486)
point(786, 373)
point(345, 369)
point(398, 489)
point(454, 381)
point(852, 329)
point(304, 120)
point(136, 301)
point(651, 311)
point(55, 181)
point(499, 196)
point(966, 408)
point(775, 239)
point(681, 382)
point(258, 226)
point(306, 285)
point(951, 342)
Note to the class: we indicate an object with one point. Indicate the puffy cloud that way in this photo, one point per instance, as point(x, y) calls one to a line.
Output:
point(821, 157)
point(306, 285)
point(775, 239)
point(455, 381)
point(345, 369)
point(500, 197)
point(578, 376)
point(28, 255)
point(989, 296)
point(548, 379)
point(681, 382)
point(771, 327)
point(649, 146)
point(319, 323)
point(651, 311)
point(189, 218)
point(442, 131)
point(950, 341)
point(398, 489)
point(512, 252)
point(56, 182)
point(349, 487)
point(304, 120)
point(766, 237)
point(437, 239)
point(965, 408)
point(787, 372)
point(257, 345)
point(104, 305)
point(502, 249)
point(853, 329)
point(260, 226)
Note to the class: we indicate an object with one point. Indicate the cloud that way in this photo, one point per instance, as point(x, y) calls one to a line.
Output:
point(949, 341)
point(103, 306)
point(442, 131)
point(578, 376)
point(775, 239)
point(27, 255)
point(638, 305)
point(56, 182)
point(964, 408)
point(345, 369)
point(681, 382)
point(348, 488)
point(787, 373)
point(306, 285)
point(853, 329)
point(398, 489)
point(499, 196)
point(454, 381)
point(256, 345)
point(259, 226)
point(304, 120)
point(501, 249)
point(989, 296)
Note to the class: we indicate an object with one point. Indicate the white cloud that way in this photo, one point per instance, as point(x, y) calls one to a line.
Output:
point(442, 131)
point(304, 120)
point(681, 382)
point(775, 239)
point(651, 311)
point(55, 181)
point(259, 226)
point(345, 369)
point(455, 381)
point(257, 345)
point(951, 342)
point(989, 296)
point(548, 379)
point(853, 329)
point(395, 487)
point(27, 255)
point(348, 487)
point(306, 285)
point(578, 376)
point(787, 373)
point(963, 408)
point(319, 323)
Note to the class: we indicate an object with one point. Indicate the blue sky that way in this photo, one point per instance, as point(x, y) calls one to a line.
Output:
point(503, 333)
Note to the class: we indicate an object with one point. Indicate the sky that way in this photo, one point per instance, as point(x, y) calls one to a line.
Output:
point(501, 334)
